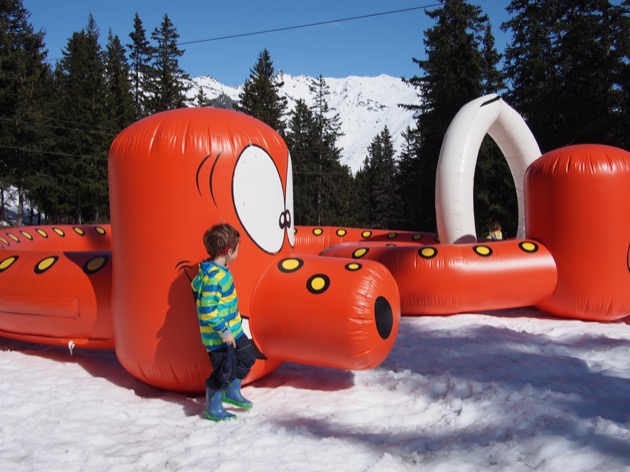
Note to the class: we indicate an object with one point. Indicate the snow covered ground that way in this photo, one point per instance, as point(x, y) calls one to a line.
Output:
point(507, 391)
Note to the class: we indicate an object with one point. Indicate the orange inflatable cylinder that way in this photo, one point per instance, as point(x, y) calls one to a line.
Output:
point(577, 201)
point(348, 319)
point(54, 296)
point(453, 278)
point(314, 239)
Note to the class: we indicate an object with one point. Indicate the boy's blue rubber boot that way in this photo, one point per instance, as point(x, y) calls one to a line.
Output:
point(232, 394)
point(214, 407)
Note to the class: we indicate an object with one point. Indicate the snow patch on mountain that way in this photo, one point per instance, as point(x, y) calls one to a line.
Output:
point(365, 106)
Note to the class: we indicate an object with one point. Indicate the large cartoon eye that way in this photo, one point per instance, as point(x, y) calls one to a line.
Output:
point(289, 202)
point(259, 199)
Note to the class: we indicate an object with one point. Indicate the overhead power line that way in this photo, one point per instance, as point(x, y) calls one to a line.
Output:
point(307, 25)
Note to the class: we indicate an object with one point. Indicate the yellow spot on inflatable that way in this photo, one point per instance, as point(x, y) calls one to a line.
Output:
point(14, 237)
point(26, 235)
point(94, 265)
point(100, 230)
point(318, 283)
point(484, 251)
point(392, 235)
point(79, 231)
point(366, 234)
point(4, 241)
point(528, 246)
point(353, 266)
point(59, 231)
point(341, 233)
point(427, 252)
point(42, 233)
point(361, 252)
point(45, 264)
point(318, 231)
point(290, 265)
point(6, 263)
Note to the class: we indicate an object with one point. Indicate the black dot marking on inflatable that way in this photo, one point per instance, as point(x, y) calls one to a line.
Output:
point(95, 264)
point(45, 264)
point(318, 283)
point(384, 317)
point(427, 252)
point(483, 251)
point(360, 252)
point(8, 262)
point(528, 246)
point(290, 264)
point(353, 266)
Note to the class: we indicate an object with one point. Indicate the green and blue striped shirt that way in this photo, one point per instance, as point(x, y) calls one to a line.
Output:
point(217, 304)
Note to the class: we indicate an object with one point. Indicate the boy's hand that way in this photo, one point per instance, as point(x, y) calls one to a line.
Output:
point(228, 338)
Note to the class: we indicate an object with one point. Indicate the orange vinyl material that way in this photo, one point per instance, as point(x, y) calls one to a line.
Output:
point(172, 176)
point(316, 333)
point(55, 285)
point(447, 278)
point(577, 204)
point(314, 239)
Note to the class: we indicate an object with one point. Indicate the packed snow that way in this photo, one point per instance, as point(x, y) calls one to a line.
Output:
point(513, 390)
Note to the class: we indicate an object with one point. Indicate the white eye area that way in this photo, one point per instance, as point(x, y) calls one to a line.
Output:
point(259, 199)
point(289, 202)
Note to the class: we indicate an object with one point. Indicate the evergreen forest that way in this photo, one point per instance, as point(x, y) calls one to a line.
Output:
point(566, 71)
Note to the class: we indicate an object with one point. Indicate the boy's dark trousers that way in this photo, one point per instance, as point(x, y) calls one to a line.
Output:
point(229, 363)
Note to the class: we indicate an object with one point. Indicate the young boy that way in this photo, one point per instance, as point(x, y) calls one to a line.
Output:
point(229, 348)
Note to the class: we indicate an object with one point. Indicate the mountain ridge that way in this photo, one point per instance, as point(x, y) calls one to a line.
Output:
point(365, 105)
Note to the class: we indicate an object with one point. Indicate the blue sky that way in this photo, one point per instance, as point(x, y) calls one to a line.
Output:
point(382, 44)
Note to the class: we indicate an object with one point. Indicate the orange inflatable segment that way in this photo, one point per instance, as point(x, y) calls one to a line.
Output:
point(54, 297)
point(314, 239)
point(348, 316)
point(577, 201)
point(447, 279)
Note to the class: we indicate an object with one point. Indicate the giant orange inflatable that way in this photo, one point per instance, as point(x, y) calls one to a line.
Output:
point(316, 295)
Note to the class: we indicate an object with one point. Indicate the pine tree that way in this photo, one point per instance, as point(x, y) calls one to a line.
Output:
point(140, 55)
point(167, 82)
point(458, 69)
point(83, 137)
point(23, 78)
point(380, 182)
point(120, 99)
point(323, 187)
point(260, 96)
point(302, 139)
point(406, 176)
point(567, 62)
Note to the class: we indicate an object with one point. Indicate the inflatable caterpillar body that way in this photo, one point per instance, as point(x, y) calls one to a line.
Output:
point(323, 296)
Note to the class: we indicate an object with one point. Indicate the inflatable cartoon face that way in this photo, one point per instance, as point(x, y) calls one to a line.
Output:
point(175, 174)
point(172, 176)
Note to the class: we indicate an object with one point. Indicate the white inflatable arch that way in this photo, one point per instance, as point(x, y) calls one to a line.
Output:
point(454, 207)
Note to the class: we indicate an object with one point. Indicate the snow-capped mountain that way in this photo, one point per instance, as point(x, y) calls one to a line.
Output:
point(365, 106)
